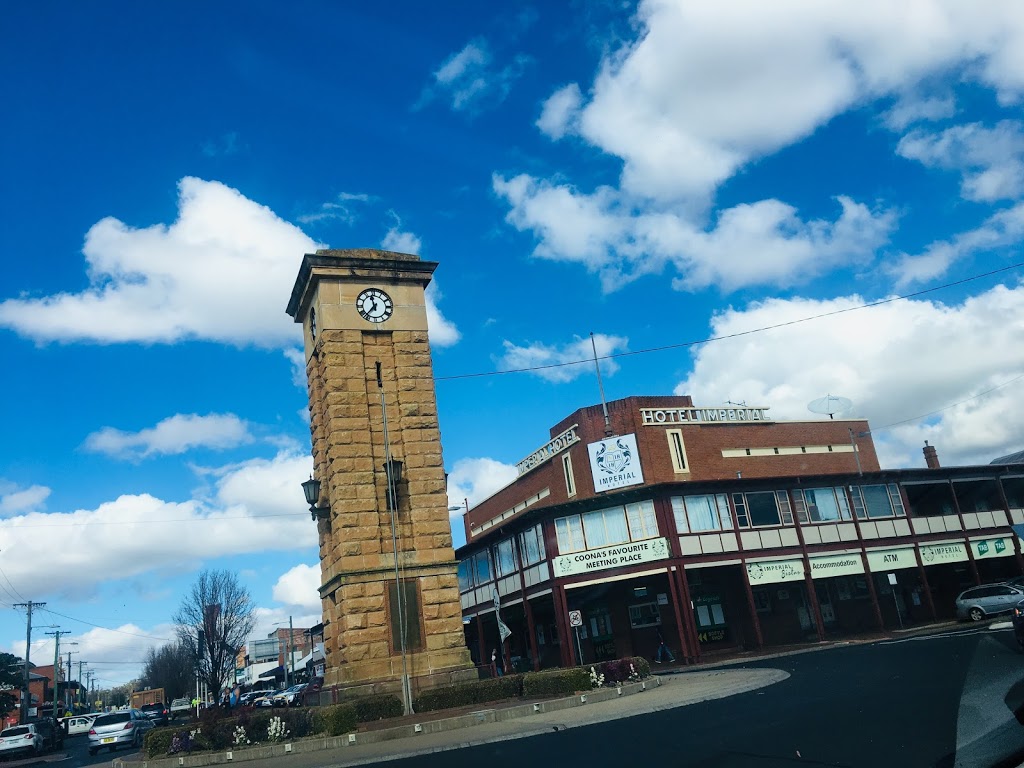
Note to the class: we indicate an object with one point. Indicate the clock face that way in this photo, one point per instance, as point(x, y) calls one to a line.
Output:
point(374, 305)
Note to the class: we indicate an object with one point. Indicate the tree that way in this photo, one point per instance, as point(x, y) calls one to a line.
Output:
point(11, 677)
point(214, 620)
point(172, 668)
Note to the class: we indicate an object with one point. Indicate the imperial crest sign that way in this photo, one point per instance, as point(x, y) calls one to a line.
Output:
point(615, 463)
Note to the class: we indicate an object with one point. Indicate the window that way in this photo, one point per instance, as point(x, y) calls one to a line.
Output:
point(763, 508)
point(978, 495)
point(1013, 487)
point(482, 572)
point(465, 575)
point(695, 514)
point(644, 615)
point(677, 450)
point(762, 600)
point(643, 523)
point(531, 545)
point(823, 505)
point(570, 534)
point(871, 501)
point(404, 616)
point(506, 558)
point(570, 481)
point(605, 527)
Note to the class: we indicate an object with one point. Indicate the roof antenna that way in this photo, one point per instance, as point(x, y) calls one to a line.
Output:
point(600, 386)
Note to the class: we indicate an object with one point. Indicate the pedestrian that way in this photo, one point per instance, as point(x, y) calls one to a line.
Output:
point(662, 650)
point(495, 665)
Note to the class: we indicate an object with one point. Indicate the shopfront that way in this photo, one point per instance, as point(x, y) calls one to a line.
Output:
point(844, 595)
point(721, 611)
point(948, 570)
point(784, 610)
point(995, 558)
point(897, 581)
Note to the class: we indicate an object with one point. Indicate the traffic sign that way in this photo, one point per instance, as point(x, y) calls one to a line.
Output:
point(575, 618)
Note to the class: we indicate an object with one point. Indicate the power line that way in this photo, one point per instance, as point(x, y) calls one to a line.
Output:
point(108, 629)
point(12, 596)
point(738, 334)
point(951, 405)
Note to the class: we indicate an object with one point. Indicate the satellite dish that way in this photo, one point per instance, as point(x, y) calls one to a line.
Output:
point(830, 404)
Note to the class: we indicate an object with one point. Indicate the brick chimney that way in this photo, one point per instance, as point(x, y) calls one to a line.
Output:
point(931, 458)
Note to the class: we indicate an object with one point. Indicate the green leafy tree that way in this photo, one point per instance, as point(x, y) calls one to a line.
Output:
point(11, 677)
point(213, 621)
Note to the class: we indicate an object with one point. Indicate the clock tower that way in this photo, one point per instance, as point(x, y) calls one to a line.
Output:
point(391, 609)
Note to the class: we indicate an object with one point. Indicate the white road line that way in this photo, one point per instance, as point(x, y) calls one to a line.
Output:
point(1001, 625)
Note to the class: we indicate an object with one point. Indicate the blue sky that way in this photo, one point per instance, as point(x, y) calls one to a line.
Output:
point(653, 173)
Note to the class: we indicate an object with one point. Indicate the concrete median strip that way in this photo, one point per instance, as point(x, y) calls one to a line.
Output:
point(489, 725)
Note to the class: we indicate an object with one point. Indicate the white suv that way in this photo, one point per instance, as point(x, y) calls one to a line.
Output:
point(20, 738)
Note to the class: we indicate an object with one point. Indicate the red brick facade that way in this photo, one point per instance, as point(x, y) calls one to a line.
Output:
point(704, 444)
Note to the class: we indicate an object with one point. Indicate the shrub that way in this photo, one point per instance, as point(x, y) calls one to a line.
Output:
point(317, 721)
point(465, 694)
point(622, 670)
point(339, 719)
point(556, 682)
point(157, 741)
point(378, 707)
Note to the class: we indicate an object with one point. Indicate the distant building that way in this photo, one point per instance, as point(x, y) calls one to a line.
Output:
point(721, 529)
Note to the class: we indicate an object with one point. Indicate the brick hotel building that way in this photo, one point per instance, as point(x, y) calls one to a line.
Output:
point(722, 530)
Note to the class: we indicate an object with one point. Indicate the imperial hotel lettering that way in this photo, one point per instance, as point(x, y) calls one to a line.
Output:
point(658, 416)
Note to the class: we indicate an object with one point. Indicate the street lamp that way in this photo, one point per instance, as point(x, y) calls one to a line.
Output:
point(311, 490)
point(464, 505)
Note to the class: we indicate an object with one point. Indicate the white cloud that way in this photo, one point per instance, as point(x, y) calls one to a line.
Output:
point(298, 588)
point(707, 87)
point(220, 273)
point(255, 506)
point(1002, 229)
point(401, 242)
point(175, 434)
point(560, 111)
point(560, 357)
point(296, 357)
point(470, 82)
point(342, 208)
point(750, 244)
point(893, 361)
point(473, 480)
point(990, 159)
point(441, 330)
point(268, 620)
point(20, 499)
point(910, 109)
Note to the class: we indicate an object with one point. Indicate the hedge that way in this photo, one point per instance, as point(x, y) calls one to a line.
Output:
point(379, 707)
point(556, 682)
point(621, 670)
point(466, 694)
point(340, 719)
point(218, 733)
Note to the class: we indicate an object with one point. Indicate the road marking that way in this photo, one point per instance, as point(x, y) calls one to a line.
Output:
point(942, 635)
point(1001, 625)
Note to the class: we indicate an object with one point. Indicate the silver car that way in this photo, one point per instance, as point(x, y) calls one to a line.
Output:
point(127, 726)
point(978, 603)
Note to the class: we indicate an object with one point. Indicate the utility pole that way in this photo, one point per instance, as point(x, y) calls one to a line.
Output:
point(81, 688)
point(56, 667)
point(68, 699)
point(26, 697)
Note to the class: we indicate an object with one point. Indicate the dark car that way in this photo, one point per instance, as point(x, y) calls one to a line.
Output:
point(157, 712)
point(1017, 615)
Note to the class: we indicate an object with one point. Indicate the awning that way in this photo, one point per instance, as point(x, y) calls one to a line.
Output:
point(277, 671)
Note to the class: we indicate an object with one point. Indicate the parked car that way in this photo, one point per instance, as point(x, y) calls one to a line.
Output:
point(157, 712)
point(291, 697)
point(19, 739)
point(979, 603)
point(266, 700)
point(126, 726)
point(181, 707)
point(78, 724)
point(248, 699)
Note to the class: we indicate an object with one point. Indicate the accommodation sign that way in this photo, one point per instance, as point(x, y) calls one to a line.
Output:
point(827, 566)
point(659, 416)
point(775, 571)
point(949, 552)
point(634, 553)
point(552, 448)
point(615, 463)
point(882, 560)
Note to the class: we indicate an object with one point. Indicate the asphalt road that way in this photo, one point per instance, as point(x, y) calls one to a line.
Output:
point(938, 700)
